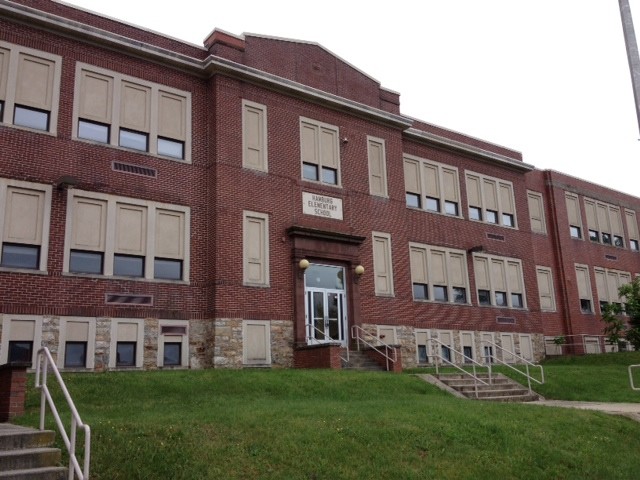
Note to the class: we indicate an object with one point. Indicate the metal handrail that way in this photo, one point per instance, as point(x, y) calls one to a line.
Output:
point(526, 362)
point(43, 362)
point(473, 375)
point(631, 367)
point(355, 333)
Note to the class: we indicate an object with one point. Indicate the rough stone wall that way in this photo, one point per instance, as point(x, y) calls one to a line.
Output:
point(406, 338)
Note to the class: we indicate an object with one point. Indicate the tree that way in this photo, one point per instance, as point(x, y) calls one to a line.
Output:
point(617, 326)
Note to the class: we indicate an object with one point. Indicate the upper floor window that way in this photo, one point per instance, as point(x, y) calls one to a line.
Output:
point(256, 248)
point(382, 265)
point(377, 166)
point(573, 215)
point(490, 200)
point(123, 111)
point(24, 224)
point(431, 186)
point(607, 284)
point(126, 237)
point(604, 222)
point(536, 212)
point(499, 281)
point(320, 152)
point(439, 274)
point(545, 289)
point(632, 230)
point(254, 136)
point(29, 87)
point(584, 288)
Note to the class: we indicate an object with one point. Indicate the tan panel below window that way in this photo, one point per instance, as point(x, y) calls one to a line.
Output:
point(4, 72)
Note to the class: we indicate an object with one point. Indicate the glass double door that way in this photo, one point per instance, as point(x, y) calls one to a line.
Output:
point(325, 300)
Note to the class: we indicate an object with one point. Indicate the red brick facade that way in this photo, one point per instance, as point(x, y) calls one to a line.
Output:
point(212, 307)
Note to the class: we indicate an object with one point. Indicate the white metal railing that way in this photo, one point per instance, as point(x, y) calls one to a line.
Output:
point(311, 339)
point(43, 363)
point(468, 360)
point(523, 361)
point(631, 367)
point(360, 333)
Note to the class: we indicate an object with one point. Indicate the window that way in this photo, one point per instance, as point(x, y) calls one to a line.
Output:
point(173, 343)
point(256, 249)
point(499, 281)
point(76, 342)
point(254, 136)
point(607, 284)
point(382, 265)
point(119, 110)
point(573, 214)
point(632, 230)
point(490, 200)
point(20, 351)
point(29, 87)
point(422, 342)
point(75, 355)
point(584, 288)
point(125, 237)
point(445, 346)
point(438, 274)
point(467, 342)
point(431, 186)
point(545, 289)
point(126, 354)
point(24, 224)
point(256, 342)
point(604, 222)
point(21, 338)
point(126, 349)
point(320, 152)
point(377, 166)
point(536, 212)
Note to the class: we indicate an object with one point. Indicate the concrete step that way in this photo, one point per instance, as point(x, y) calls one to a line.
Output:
point(27, 453)
point(20, 437)
point(29, 458)
point(360, 361)
point(501, 388)
point(45, 473)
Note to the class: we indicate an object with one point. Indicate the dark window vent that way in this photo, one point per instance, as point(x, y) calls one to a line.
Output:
point(495, 236)
point(173, 330)
point(611, 257)
point(134, 169)
point(127, 299)
point(506, 320)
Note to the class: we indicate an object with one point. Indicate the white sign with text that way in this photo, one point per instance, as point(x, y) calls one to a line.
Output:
point(321, 206)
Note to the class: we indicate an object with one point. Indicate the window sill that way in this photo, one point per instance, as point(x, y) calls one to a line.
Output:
point(24, 270)
point(28, 129)
point(132, 279)
point(183, 161)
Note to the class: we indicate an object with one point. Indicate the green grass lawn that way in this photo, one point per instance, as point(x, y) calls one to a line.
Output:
point(320, 424)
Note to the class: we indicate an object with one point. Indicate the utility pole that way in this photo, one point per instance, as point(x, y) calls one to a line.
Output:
point(632, 52)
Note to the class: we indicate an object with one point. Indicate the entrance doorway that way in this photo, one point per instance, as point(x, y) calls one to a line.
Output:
point(325, 304)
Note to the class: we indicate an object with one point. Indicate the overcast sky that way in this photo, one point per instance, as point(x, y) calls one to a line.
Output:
point(548, 78)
